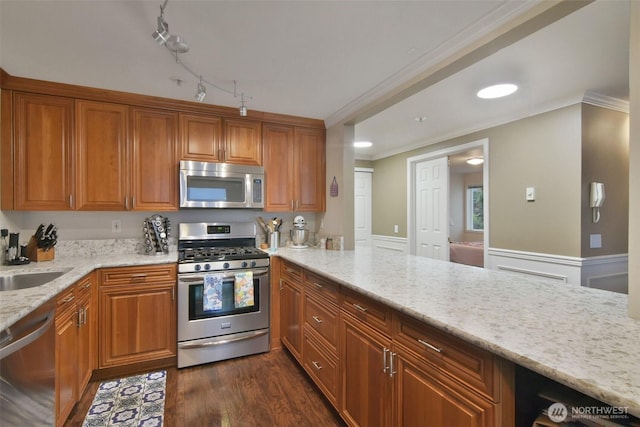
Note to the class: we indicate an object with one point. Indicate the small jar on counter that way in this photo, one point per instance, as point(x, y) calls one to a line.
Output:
point(329, 244)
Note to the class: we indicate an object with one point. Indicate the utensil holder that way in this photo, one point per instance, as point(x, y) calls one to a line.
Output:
point(38, 254)
point(274, 240)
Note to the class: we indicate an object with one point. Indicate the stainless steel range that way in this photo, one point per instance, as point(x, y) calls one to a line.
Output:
point(223, 293)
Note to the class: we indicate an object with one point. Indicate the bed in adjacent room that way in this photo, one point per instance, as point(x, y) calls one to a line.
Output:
point(470, 253)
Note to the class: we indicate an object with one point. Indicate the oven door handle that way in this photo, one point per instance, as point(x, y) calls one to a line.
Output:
point(224, 340)
point(199, 277)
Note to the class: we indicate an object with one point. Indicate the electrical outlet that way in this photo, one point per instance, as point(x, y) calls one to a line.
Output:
point(116, 226)
point(395, 228)
point(595, 241)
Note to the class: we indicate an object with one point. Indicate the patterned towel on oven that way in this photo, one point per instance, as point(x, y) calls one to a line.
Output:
point(212, 292)
point(244, 289)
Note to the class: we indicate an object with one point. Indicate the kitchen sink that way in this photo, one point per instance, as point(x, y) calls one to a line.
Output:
point(27, 280)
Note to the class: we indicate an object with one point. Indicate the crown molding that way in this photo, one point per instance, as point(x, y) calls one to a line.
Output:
point(605, 101)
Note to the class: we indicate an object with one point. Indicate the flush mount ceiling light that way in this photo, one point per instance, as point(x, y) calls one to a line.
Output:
point(176, 45)
point(362, 144)
point(475, 161)
point(420, 119)
point(497, 91)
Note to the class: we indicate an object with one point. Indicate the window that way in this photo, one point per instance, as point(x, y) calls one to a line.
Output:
point(475, 208)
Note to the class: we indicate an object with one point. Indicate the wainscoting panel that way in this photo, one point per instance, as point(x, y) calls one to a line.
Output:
point(395, 244)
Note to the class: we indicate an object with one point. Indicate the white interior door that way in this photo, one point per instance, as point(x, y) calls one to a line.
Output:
point(432, 208)
point(362, 208)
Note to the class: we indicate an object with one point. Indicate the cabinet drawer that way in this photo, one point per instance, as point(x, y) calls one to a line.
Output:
point(457, 358)
point(131, 275)
point(66, 300)
point(83, 287)
point(322, 366)
point(372, 313)
point(320, 286)
point(323, 319)
point(291, 271)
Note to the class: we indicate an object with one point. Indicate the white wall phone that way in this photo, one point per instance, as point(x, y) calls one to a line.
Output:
point(597, 199)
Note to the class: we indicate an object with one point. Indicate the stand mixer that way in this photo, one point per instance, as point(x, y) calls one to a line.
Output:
point(299, 233)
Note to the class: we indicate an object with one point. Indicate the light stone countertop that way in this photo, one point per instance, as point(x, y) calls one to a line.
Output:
point(580, 337)
point(14, 305)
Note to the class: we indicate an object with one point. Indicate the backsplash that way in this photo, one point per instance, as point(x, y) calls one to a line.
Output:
point(85, 248)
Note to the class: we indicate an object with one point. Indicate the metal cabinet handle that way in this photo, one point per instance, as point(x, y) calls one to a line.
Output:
point(317, 319)
point(70, 200)
point(68, 299)
point(385, 368)
point(317, 365)
point(430, 346)
point(361, 308)
point(318, 285)
point(281, 284)
point(140, 276)
point(392, 368)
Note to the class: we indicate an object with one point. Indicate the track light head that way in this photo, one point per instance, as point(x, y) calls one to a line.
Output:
point(161, 35)
point(243, 111)
point(202, 92)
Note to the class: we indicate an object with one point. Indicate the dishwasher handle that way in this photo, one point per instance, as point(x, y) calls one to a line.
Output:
point(22, 342)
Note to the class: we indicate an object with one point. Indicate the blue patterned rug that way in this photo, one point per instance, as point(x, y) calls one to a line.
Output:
point(129, 402)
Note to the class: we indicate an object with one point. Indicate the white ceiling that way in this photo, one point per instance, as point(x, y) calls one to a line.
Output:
point(322, 59)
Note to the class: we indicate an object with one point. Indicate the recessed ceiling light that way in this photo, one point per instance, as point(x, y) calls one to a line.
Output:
point(497, 91)
point(362, 144)
point(420, 119)
point(475, 161)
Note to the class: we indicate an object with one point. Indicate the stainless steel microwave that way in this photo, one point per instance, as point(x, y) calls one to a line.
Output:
point(221, 185)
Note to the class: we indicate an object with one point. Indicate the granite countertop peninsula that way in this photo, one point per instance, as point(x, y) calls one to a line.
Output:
point(76, 259)
point(578, 336)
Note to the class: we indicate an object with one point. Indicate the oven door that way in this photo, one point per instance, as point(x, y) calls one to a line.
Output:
point(222, 303)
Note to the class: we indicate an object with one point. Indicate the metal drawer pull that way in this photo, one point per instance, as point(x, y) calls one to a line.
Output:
point(361, 308)
point(318, 285)
point(317, 365)
point(385, 368)
point(392, 370)
point(140, 276)
point(432, 347)
point(317, 319)
point(68, 299)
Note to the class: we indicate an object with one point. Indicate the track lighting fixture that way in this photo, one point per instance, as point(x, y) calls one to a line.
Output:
point(202, 91)
point(176, 45)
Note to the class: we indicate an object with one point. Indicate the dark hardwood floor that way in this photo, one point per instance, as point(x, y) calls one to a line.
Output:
point(268, 389)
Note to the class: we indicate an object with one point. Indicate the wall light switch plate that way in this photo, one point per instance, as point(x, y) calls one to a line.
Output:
point(595, 241)
point(531, 194)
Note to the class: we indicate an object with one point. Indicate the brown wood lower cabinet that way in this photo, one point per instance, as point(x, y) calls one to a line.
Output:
point(380, 367)
point(75, 344)
point(137, 315)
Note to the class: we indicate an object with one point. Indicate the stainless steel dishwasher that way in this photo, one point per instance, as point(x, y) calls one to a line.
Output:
point(27, 366)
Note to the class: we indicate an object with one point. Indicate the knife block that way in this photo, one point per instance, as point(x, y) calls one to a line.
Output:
point(37, 254)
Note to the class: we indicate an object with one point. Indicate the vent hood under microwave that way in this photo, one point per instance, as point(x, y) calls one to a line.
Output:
point(221, 185)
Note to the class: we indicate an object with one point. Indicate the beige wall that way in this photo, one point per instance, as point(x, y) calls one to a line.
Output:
point(605, 158)
point(389, 196)
point(634, 163)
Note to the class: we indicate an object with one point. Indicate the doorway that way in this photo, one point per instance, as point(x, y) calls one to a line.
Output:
point(362, 206)
point(429, 202)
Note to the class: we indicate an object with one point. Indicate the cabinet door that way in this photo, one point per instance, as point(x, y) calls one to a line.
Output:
point(243, 142)
point(278, 167)
point(102, 156)
point(427, 397)
point(309, 170)
point(155, 160)
point(291, 316)
point(366, 386)
point(43, 140)
point(85, 365)
point(136, 324)
point(200, 138)
point(66, 355)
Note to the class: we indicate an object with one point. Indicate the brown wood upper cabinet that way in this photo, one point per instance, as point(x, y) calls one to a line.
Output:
point(208, 138)
point(294, 162)
point(102, 156)
point(43, 149)
point(155, 160)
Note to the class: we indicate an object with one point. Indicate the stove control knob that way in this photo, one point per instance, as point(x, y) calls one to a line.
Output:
point(197, 267)
point(253, 263)
point(207, 266)
point(244, 264)
point(225, 265)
